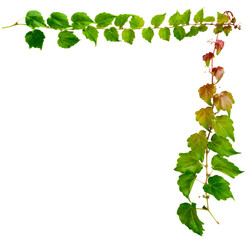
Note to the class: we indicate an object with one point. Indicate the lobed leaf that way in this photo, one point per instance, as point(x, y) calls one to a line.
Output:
point(111, 34)
point(227, 30)
point(58, 20)
point(121, 20)
point(67, 39)
point(224, 101)
point(128, 36)
point(198, 18)
point(165, 33)
point(179, 33)
point(147, 34)
point(207, 92)
point(35, 39)
point(185, 183)
point(222, 18)
point(157, 20)
point(104, 19)
point(34, 19)
point(80, 20)
point(136, 22)
point(91, 33)
point(205, 117)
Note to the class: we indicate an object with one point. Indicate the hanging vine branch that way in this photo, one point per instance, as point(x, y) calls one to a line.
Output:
point(218, 129)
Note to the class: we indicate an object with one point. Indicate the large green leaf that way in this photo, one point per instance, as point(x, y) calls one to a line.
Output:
point(198, 143)
point(175, 19)
point(224, 101)
point(104, 19)
point(188, 162)
point(205, 117)
point(179, 33)
point(207, 92)
point(218, 187)
point(165, 33)
point(58, 20)
point(222, 146)
point(223, 165)
point(91, 33)
point(81, 20)
point(128, 36)
point(34, 19)
point(147, 34)
point(136, 22)
point(35, 39)
point(121, 20)
point(185, 183)
point(188, 215)
point(111, 34)
point(67, 39)
point(185, 17)
point(157, 20)
point(222, 126)
point(198, 18)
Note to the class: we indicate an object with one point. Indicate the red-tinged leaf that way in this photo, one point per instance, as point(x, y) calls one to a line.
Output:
point(223, 101)
point(207, 92)
point(205, 117)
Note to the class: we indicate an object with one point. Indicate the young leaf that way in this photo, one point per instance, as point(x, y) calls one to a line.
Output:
point(207, 92)
point(34, 19)
point(35, 39)
point(136, 22)
point(175, 19)
point(223, 165)
point(198, 18)
point(111, 34)
point(80, 20)
point(223, 127)
point(128, 36)
point(193, 31)
point(185, 17)
point(188, 215)
point(222, 18)
point(185, 183)
point(188, 162)
point(165, 33)
point(209, 19)
point(205, 117)
point(67, 39)
point(157, 20)
point(224, 101)
point(147, 34)
point(58, 20)
point(91, 33)
point(218, 187)
point(227, 30)
point(121, 20)
point(219, 28)
point(198, 144)
point(222, 146)
point(179, 33)
point(104, 19)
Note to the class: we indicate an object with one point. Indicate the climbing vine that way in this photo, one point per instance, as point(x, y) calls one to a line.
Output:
point(217, 129)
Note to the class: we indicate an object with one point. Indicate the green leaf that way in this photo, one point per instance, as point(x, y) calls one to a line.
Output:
point(188, 215)
point(80, 20)
point(128, 36)
point(165, 33)
point(198, 18)
point(121, 20)
point(147, 34)
point(111, 34)
point(223, 165)
point(175, 19)
point(188, 162)
point(198, 144)
point(136, 22)
point(104, 19)
point(219, 28)
point(207, 92)
point(35, 39)
point(185, 17)
point(203, 28)
point(218, 187)
point(58, 20)
point(34, 19)
point(205, 117)
point(224, 101)
point(222, 146)
point(67, 39)
point(222, 126)
point(209, 19)
point(157, 20)
point(227, 30)
point(91, 33)
point(193, 32)
point(185, 183)
point(222, 18)
point(179, 33)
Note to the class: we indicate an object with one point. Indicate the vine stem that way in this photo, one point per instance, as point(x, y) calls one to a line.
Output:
point(213, 216)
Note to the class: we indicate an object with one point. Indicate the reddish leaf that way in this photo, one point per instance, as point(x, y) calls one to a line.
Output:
point(223, 101)
point(207, 92)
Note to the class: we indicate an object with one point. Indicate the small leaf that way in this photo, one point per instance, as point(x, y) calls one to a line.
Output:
point(104, 19)
point(227, 30)
point(224, 101)
point(222, 18)
point(222, 126)
point(175, 19)
point(222, 146)
point(80, 20)
point(223, 165)
point(198, 144)
point(67, 39)
point(207, 92)
point(185, 183)
point(136, 22)
point(185, 17)
point(188, 215)
point(219, 28)
point(198, 18)
point(34, 19)
point(165, 33)
point(188, 162)
point(205, 117)
point(91, 33)
point(58, 20)
point(128, 36)
point(121, 20)
point(111, 34)
point(157, 20)
point(203, 28)
point(218, 187)
point(179, 33)
point(209, 19)
point(193, 31)
point(147, 34)
point(35, 39)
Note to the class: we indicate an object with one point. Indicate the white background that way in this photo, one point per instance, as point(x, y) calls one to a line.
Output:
point(89, 137)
